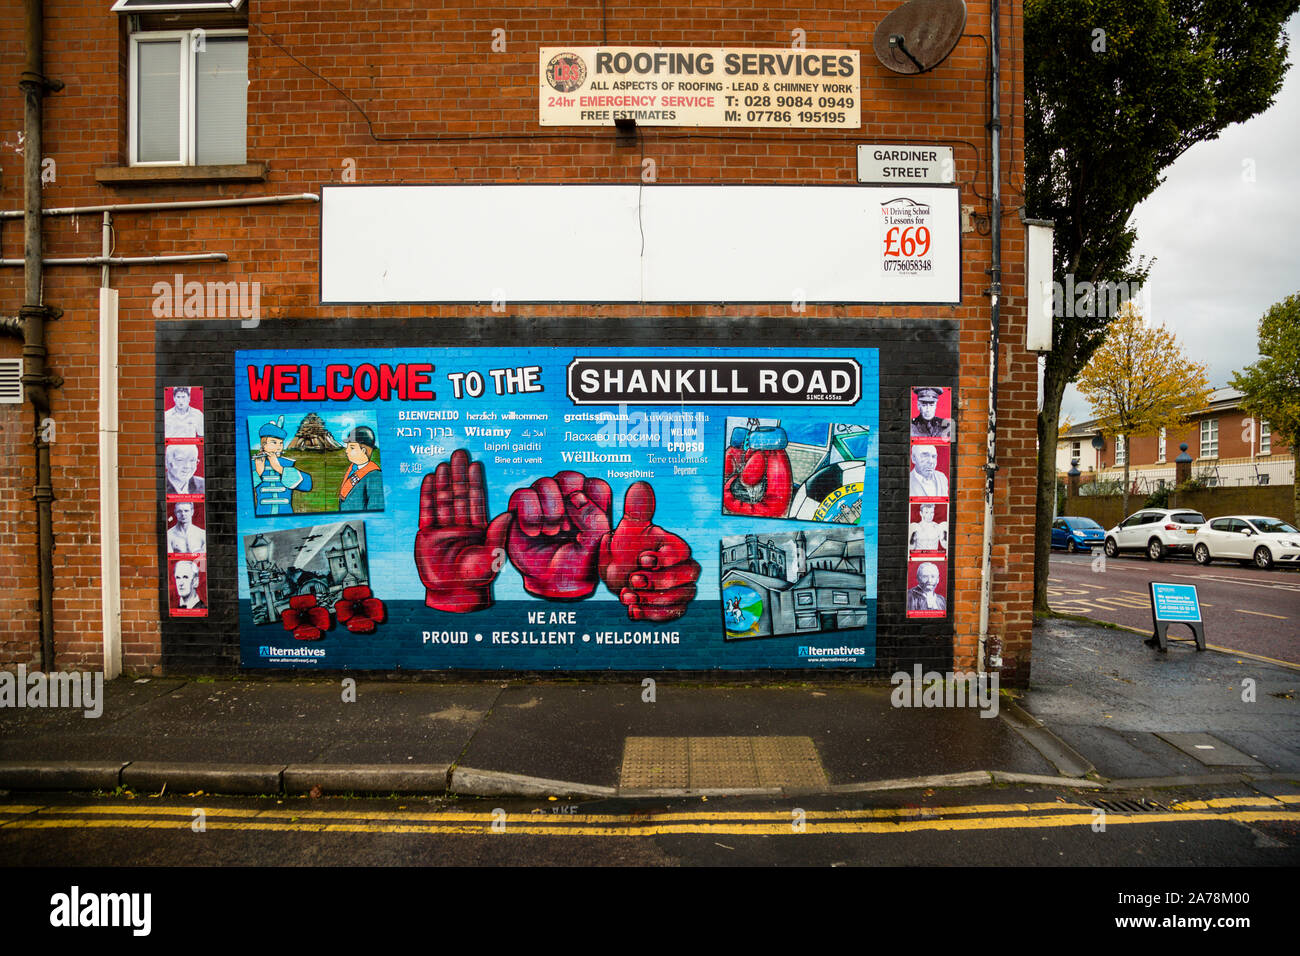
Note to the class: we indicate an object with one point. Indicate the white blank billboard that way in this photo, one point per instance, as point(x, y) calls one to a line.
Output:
point(632, 243)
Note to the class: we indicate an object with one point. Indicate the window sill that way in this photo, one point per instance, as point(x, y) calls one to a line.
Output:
point(153, 175)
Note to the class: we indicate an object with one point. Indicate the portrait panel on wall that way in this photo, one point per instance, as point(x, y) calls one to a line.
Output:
point(929, 471)
point(932, 412)
point(927, 588)
point(183, 466)
point(182, 412)
point(187, 586)
point(802, 582)
point(927, 528)
point(186, 527)
point(315, 463)
point(808, 471)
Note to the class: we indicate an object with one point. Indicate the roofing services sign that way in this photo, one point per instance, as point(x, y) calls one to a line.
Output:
point(700, 86)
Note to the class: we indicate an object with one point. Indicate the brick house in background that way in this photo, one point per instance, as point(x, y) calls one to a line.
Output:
point(1228, 448)
point(258, 108)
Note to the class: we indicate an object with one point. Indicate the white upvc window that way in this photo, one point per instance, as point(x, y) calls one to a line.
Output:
point(1210, 438)
point(1121, 450)
point(1160, 446)
point(1265, 438)
point(189, 98)
point(1076, 451)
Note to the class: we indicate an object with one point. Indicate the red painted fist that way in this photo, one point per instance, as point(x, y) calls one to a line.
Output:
point(650, 569)
point(556, 527)
point(457, 553)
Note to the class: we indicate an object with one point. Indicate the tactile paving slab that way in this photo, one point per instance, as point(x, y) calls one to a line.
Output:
point(704, 763)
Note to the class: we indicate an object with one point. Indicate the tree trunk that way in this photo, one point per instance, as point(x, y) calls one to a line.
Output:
point(1048, 426)
point(1295, 482)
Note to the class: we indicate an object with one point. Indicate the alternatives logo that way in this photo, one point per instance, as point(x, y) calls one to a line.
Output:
point(810, 651)
point(268, 651)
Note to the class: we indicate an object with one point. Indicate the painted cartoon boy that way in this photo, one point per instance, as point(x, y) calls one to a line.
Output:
point(275, 478)
point(363, 486)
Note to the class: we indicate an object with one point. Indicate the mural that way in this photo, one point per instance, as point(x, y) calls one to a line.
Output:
point(335, 464)
point(536, 508)
point(808, 581)
point(808, 471)
point(322, 560)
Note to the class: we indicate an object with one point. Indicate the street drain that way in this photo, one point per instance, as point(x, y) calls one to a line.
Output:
point(1141, 805)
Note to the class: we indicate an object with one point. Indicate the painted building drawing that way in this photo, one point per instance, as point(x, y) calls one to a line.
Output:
point(801, 583)
point(321, 560)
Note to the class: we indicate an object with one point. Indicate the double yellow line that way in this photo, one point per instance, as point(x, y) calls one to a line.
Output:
point(794, 821)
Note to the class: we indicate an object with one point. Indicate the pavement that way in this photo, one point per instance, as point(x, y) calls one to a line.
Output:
point(1103, 712)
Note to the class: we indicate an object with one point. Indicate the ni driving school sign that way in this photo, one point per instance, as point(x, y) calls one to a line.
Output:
point(700, 86)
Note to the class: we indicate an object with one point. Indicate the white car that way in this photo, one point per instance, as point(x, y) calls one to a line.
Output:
point(1265, 541)
point(1157, 531)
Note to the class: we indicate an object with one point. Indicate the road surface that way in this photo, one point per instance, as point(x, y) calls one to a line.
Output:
point(1245, 609)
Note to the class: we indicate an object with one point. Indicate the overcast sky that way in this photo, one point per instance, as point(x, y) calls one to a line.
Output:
point(1228, 247)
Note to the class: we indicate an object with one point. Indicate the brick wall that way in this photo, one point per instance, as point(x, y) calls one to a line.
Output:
point(1275, 501)
point(441, 106)
point(1238, 438)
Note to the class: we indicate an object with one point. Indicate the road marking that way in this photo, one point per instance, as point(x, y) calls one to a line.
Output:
point(1254, 584)
point(185, 814)
point(1259, 613)
point(740, 823)
point(560, 827)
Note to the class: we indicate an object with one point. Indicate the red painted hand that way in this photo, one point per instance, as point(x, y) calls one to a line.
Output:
point(556, 529)
point(457, 553)
point(650, 569)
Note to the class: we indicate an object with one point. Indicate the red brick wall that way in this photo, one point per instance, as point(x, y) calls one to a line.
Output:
point(1238, 438)
point(429, 71)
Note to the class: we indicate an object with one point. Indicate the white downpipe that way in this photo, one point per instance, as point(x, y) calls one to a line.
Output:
point(109, 522)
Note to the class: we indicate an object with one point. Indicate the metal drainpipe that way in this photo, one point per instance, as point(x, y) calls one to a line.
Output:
point(990, 647)
point(36, 379)
point(156, 206)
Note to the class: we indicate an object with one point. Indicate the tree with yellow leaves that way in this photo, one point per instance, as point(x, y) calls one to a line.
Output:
point(1140, 381)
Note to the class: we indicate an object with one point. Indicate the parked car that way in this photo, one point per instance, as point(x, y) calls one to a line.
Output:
point(1157, 531)
point(1265, 541)
point(1076, 534)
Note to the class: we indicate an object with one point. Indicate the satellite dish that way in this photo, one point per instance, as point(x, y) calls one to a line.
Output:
point(919, 35)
